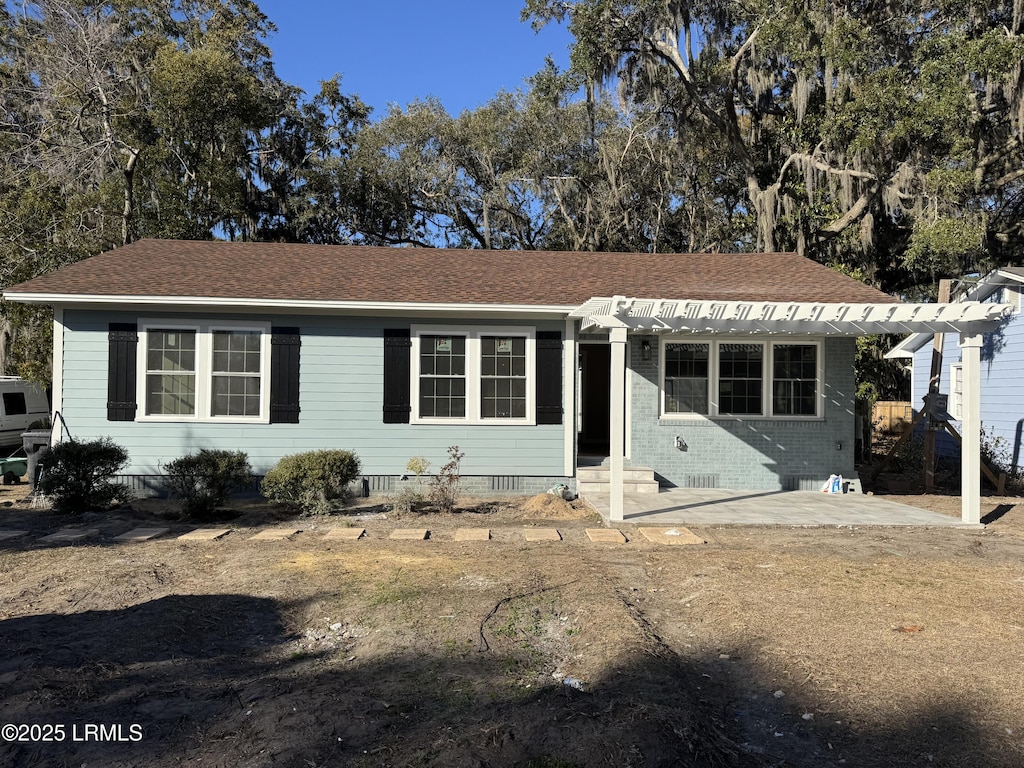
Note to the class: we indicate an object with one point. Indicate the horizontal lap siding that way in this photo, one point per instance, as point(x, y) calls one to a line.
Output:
point(1002, 397)
point(340, 391)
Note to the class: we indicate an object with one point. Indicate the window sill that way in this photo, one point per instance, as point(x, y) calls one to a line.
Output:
point(474, 422)
point(711, 421)
point(195, 420)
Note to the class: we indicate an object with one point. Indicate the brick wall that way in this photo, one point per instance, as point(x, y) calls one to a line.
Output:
point(762, 454)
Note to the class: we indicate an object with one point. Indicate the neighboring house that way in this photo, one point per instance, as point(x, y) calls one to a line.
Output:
point(727, 370)
point(1002, 368)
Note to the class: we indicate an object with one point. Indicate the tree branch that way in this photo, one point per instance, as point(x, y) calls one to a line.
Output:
point(857, 210)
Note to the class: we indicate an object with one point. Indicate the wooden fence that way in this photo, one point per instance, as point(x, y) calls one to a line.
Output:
point(891, 416)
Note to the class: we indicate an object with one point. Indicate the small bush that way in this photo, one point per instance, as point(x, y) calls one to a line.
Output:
point(409, 496)
point(316, 482)
point(79, 476)
point(417, 465)
point(405, 500)
point(204, 480)
point(444, 490)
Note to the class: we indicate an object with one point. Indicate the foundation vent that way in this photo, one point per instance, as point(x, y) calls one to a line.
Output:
point(506, 483)
point(701, 481)
point(802, 484)
point(380, 483)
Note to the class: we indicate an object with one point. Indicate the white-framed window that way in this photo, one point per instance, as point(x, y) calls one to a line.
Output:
point(956, 390)
point(473, 375)
point(204, 371)
point(795, 379)
point(743, 378)
point(687, 375)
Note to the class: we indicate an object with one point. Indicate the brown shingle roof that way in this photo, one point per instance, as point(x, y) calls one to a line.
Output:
point(289, 272)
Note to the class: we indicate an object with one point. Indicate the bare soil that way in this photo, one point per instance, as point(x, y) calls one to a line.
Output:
point(766, 646)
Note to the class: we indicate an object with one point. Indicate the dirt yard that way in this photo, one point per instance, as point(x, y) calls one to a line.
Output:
point(777, 647)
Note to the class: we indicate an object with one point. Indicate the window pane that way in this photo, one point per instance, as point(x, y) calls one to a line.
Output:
point(686, 378)
point(171, 350)
point(170, 372)
point(442, 376)
point(443, 398)
point(236, 396)
point(236, 352)
point(740, 376)
point(795, 379)
point(171, 395)
point(503, 377)
point(14, 403)
point(235, 381)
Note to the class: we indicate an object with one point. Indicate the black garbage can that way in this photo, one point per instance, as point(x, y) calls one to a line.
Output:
point(35, 442)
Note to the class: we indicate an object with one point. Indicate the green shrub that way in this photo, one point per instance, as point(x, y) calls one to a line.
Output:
point(204, 480)
point(316, 482)
point(79, 476)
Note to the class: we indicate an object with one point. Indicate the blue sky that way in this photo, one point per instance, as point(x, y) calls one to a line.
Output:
point(395, 51)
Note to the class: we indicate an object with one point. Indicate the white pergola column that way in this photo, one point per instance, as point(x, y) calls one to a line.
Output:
point(617, 428)
point(970, 449)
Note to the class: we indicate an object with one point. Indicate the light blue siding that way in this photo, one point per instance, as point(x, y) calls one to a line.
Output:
point(341, 390)
point(1002, 386)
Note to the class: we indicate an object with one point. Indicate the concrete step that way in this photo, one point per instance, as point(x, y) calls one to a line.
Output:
point(628, 486)
point(602, 474)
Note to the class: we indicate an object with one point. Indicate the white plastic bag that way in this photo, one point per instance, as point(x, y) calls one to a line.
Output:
point(834, 484)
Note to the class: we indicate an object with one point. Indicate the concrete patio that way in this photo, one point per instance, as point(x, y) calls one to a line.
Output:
point(704, 506)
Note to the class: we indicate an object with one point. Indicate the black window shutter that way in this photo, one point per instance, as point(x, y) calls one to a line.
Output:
point(122, 345)
point(284, 375)
point(549, 377)
point(397, 354)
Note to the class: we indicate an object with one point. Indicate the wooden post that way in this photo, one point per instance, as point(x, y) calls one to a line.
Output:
point(970, 448)
point(617, 442)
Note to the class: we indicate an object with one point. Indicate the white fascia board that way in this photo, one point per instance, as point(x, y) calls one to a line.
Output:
point(1012, 276)
point(989, 283)
point(287, 305)
point(907, 347)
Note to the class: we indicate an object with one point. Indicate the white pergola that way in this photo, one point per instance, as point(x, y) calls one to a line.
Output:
point(621, 316)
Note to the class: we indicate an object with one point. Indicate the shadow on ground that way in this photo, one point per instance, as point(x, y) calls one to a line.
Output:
point(211, 680)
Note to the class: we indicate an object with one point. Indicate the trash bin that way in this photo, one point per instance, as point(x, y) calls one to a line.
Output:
point(35, 442)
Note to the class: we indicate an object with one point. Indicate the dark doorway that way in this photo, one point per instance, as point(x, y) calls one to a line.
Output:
point(595, 399)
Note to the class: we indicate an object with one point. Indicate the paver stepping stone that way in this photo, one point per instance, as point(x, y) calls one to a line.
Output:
point(606, 536)
point(676, 535)
point(141, 534)
point(8, 534)
point(345, 534)
point(204, 534)
point(275, 534)
point(473, 534)
point(70, 534)
point(542, 534)
point(409, 534)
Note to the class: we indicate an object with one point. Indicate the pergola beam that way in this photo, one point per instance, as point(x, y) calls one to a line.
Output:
point(662, 316)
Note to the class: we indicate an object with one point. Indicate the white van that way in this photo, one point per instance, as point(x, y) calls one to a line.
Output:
point(21, 403)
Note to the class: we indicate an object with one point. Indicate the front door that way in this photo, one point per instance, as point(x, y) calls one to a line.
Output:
point(595, 399)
